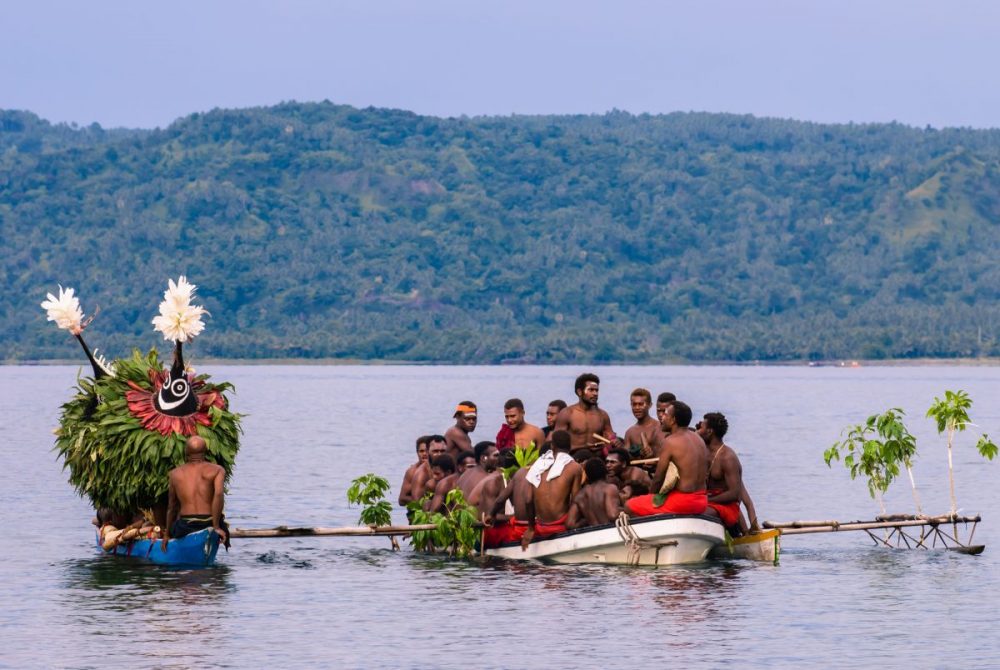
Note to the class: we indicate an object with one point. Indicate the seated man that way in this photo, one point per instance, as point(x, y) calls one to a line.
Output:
point(465, 460)
point(632, 491)
point(597, 503)
point(686, 450)
point(725, 478)
point(195, 495)
point(443, 470)
point(620, 472)
point(557, 479)
point(423, 479)
point(405, 492)
point(518, 527)
point(486, 459)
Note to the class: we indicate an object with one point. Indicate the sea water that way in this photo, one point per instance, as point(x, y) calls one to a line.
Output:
point(835, 600)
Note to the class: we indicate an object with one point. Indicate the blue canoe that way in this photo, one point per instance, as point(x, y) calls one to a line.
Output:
point(197, 549)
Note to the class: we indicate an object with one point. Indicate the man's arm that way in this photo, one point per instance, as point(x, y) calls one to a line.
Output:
point(661, 469)
point(498, 504)
point(751, 511)
point(577, 480)
point(218, 500)
point(573, 519)
point(405, 495)
point(171, 511)
point(562, 420)
point(436, 504)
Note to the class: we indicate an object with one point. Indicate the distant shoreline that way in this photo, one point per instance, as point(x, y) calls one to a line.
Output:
point(847, 363)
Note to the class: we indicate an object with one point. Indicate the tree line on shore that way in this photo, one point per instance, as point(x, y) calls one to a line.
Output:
point(326, 231)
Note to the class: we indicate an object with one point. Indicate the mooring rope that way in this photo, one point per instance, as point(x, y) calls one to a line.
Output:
point(633, 543)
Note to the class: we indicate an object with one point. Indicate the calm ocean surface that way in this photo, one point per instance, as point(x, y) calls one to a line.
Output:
point(834, 601)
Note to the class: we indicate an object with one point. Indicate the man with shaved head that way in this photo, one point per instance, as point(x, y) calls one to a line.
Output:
point(196, 495)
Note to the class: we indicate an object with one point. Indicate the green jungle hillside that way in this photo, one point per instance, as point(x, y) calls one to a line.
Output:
point(321, 230)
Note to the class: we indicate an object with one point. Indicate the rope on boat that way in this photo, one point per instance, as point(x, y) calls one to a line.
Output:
point(633, 543)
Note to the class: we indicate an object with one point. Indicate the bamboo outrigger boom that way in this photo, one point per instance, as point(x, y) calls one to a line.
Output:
point(288, 531)
point(931, 533)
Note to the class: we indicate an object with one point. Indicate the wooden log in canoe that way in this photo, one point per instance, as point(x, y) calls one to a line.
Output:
point(308, 531)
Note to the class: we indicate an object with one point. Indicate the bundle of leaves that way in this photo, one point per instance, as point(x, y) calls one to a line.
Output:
point(523, 458)
point(369, 491)
point(116, 462)
point(457, 531)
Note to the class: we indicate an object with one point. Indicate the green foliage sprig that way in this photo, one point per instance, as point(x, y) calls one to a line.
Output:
point(523, 458)
point(876, 449)
point(457, 530)
point(951, 414)
point(369, 491)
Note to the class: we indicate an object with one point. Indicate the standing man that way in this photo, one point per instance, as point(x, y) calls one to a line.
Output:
point(405, 494)
point(457, 436)
point(687, 451)
point(726, 489)
point(585, 419)
point(645, 438)
point(423, 479)
point(196, 495)
point(551, 412)
point(557, 479)
point(523, 433)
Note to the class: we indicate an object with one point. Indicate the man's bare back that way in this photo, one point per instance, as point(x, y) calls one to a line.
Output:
point(596, 504)
point(687, 451)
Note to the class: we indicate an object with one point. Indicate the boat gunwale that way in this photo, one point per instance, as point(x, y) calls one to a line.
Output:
point(634, 521)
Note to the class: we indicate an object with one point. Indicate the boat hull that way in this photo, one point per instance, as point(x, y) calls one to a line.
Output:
point(195, 550)
point(764, 546)
point(664, 539)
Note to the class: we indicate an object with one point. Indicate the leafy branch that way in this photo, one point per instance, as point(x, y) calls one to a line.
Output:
point(952, 416)
point(369, 491)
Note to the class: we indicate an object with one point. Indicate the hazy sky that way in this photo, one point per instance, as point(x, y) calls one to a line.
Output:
point(133, 63)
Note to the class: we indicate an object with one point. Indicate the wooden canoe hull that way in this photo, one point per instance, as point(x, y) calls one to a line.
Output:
point(665, 539)
point(195, 550)
point(764, 546)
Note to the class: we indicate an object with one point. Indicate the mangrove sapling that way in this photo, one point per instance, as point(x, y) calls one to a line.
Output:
point(870, 453)
point(457, 529)
point(898, 443)
point(369, 491)
point(952, 415)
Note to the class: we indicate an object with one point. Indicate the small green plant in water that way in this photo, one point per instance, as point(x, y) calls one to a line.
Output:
point(952, 416)
point(369, 491)
point(875, 449)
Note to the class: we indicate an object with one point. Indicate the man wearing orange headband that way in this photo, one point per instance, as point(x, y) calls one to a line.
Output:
point(457, 436)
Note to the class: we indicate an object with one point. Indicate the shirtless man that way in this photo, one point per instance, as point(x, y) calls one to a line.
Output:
point(644, 439)
point(405, 493)
point(585, 419)
point(443, 467)
point(423, 479)
point(196, 495)
point(486, 459)
point(465, 460)
point(457, 436)
point(687, 451)
point(517, 528)
point(621, 474)
point(725, 478)
point(597, 503)
point(551, 412)
point(524, 432)
point(557, 479)
point(662, 401)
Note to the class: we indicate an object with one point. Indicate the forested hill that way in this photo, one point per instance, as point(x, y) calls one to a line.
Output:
point(318, 230)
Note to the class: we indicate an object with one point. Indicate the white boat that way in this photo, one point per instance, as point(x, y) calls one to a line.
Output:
point(662, 539)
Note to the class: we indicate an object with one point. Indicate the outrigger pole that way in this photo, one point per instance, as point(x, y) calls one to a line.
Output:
point(931, 534)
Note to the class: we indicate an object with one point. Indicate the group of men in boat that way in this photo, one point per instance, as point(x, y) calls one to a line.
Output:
point(585, 475)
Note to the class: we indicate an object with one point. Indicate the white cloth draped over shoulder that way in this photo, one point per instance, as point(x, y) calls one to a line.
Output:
point(554, 464)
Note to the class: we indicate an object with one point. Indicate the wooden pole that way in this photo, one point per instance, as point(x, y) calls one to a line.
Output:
point(349, 531)
point(800, 527)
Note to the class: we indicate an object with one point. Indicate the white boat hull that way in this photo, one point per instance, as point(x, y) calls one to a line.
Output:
point(664, 539)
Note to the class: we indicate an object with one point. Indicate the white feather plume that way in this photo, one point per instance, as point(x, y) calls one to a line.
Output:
point(179, 320)
point(65, 310)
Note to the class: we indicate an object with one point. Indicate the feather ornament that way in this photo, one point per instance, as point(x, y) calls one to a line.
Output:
point(179, 320)
point(65, 310)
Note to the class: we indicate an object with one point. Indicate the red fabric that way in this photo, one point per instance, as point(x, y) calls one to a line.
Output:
point(677, 502)
point(728, 512)
point(504, 532)
point(505, 438)
point(543, 529)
